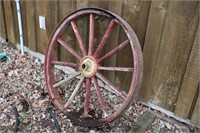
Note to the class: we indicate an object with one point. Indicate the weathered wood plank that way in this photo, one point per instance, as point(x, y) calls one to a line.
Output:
point(68, 36)
point(166, 52)
point(190, 82)
point(10, 27)
point(113, 40)
point(48, 9)
point(100, 23)
point(143, 122)
point(151, 45)
point(195, 119)
point(15, 19)
point(24, 21)
point(135, 12)
point(2, 21)
point(83, 25)
point(39, 32)
point(31, 24)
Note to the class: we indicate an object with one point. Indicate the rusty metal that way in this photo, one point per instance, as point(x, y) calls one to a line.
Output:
point(89, 66)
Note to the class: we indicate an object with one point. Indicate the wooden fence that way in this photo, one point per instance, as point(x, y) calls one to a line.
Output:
point(168, 32)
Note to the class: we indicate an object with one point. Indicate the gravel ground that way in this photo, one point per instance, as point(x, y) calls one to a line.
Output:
point(22, 85)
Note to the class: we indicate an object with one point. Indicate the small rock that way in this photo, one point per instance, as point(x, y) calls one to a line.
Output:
point(92, 131)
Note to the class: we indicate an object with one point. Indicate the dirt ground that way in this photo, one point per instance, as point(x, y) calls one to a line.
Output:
point(22, 86)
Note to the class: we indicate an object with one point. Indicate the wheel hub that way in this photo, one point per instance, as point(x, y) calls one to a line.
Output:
point(88, 66)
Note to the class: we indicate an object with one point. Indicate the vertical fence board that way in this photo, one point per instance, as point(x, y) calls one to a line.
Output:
point(15, 21)
point(39, 32)
point(172, 51)
point(2, 22)
point(112, 42)
point(190, 82)
point(195, 119)
point(136, 14)
point(83, 25)
point(69, 36)
point(99, 24)
point(151, 45)
point(48, 9)
point(31, 24)
point(10, 27)
point(24, 22)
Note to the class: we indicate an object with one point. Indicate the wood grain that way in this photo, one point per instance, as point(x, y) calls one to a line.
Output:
point(151, 45)
point(195, 119)
point(143, 122)
point(190, 82)
point(15, 21)
point(136, 13)
point(113, 40)
point(48, 9)
point(10, 27)
point(2, 21)
point(100, 23)
point(31, 24)
point(24, 22)
point(83, 25)
point(167, 51)
point(68, 36)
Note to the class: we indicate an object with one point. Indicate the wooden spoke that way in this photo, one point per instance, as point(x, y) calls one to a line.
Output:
point(87, 96)
point(107, 82)
point(91, 35)
point(72, 51)
point(99, 94)
point(121, 69)
point(60, 63)
point(78, 37)
point(66, 80)
point(114, 51)
point(104, 39)
point(74, 92)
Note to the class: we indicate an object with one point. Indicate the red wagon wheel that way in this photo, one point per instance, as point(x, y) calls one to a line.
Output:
point(89, 68)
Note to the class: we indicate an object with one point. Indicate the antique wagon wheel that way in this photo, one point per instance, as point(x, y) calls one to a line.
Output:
point(89, 67)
